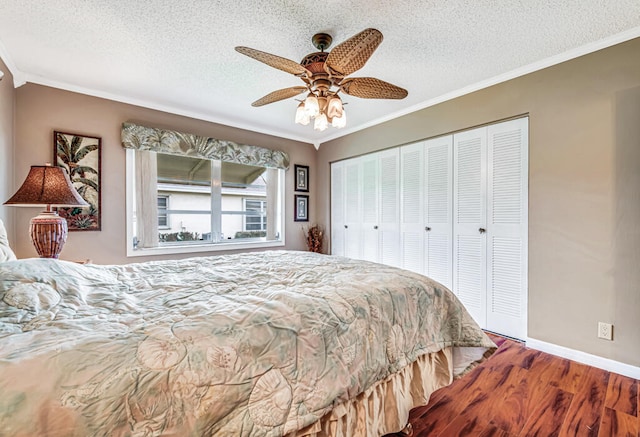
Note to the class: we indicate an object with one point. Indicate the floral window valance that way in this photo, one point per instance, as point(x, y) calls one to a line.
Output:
point(178, 143)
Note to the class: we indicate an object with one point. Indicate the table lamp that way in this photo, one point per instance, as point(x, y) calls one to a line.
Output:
point(49, 186)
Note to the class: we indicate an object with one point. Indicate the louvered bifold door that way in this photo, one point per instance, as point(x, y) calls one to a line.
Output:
point(412, 230)
point(370, 197)
point(438, 223)
point(507, 228)
point(352, 219)
point(469, 221)
point(337, 209)
point(389, 214)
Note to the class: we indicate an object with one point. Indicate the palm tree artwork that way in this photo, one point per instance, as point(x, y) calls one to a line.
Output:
point(80, 156)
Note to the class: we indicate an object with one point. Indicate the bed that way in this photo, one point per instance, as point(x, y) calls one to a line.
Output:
point(276, 343)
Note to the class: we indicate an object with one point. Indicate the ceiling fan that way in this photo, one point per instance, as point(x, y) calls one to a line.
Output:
point(324, 75)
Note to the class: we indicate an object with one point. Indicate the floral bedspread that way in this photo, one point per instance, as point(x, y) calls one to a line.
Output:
point(259, 344)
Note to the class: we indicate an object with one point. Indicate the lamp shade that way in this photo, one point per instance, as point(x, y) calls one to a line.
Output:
point(340, 122)
point(301, 115)
point(334, 107)
point(321, 122)
point(311, 105)
point(46, 185)
point(50, 186)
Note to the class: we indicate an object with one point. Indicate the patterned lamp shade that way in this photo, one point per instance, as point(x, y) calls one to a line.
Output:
point(49, 186)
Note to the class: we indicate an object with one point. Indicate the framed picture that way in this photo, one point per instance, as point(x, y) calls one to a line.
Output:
point(301, 208)
point(80, 156)
point(302, 177)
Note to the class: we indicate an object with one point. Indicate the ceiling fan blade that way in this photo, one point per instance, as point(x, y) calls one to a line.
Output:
point(352, 54)
point(278, 95)
point(372, 88)
point(274, 61)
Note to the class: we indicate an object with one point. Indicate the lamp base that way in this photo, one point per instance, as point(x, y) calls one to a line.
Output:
point(48, 233)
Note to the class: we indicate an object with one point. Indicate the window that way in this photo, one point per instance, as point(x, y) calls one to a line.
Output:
point(163, 216)
point(214, 205)
point(256, 215)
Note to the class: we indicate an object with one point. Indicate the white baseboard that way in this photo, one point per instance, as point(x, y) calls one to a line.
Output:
point(585, 358)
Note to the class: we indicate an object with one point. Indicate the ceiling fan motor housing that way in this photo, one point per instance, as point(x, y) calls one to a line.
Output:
point(314, 62)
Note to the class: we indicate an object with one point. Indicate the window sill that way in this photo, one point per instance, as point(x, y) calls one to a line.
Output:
point(198, 248)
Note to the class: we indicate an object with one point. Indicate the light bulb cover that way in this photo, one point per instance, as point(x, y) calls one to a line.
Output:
point(340, 122)
point(301, 115)
point(311, 105)
point(321, 122)
point(334, 107)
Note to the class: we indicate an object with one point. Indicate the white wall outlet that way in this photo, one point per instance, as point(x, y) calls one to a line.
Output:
point(605, 331)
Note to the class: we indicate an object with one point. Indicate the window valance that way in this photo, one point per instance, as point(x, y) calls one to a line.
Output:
point(177, 143)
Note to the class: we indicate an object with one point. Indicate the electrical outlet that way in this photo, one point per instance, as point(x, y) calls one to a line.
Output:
point(605, 331)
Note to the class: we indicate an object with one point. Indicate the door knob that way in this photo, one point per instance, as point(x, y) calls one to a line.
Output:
point(346, 226)
point(427, 228)
point(375, 227)
point(482, 230)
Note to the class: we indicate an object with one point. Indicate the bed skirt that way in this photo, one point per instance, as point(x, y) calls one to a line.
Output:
point(384, 407)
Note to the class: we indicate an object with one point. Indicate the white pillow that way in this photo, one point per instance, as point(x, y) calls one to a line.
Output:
point(6, 254)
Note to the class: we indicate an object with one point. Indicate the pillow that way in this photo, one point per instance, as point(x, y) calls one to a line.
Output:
point(6, 254)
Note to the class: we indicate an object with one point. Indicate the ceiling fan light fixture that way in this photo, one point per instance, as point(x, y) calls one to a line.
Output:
point(334, 107)
point(311, 105)
point(324, 75)
point(321, 122)
point(339, 122)
point(301, 115)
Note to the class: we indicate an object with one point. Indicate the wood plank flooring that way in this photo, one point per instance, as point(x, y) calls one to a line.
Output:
point(523, 392)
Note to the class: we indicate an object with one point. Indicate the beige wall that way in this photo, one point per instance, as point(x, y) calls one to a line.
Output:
point(584, 190)
point(41, 110)
point(7, 107)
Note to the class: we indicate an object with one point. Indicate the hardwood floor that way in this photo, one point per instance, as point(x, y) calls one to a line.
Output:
point(523, 392)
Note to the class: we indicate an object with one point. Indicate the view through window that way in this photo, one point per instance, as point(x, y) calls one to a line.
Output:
point(203, 201)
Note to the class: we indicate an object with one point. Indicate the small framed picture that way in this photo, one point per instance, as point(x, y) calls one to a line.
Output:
point(302, 177)
point(80, 156)
point(301, 208)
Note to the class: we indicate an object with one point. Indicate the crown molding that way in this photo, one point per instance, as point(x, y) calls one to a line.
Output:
point(18, 77)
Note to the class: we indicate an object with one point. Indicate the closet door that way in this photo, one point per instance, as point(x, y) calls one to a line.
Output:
point(469, 221)
point(412, 201)
point(438, 223)
point(352, 220)
point(337, 209)
point(389, 214)
point(507, 227)
point(370, 210)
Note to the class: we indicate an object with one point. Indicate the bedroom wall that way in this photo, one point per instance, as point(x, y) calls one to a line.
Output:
point(584, 190)
point(7, 108)
point(40, 110)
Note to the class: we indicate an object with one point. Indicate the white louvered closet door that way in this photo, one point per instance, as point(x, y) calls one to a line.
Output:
point(337, 209)
point(370, 196)
point(389, 214)
point(469, 221)
point(507, 227)
point(412, 201)
point(352, 219)
point(438, 210)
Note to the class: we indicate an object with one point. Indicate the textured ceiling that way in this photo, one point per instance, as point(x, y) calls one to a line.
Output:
point(178, 55)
